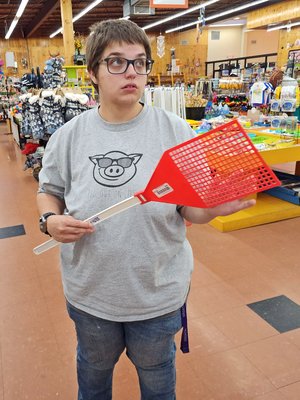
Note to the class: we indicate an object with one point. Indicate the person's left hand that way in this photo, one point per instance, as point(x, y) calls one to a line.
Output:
point(231, 207)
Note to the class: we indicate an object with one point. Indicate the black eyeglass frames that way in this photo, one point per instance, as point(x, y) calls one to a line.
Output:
point(119, 65)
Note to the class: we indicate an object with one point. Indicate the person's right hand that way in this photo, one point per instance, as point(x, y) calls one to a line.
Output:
point(66, 229)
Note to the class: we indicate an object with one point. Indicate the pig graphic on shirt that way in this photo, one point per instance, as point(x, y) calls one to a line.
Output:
point(114, 168)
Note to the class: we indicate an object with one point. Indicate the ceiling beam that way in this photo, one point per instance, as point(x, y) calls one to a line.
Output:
point(47, 10)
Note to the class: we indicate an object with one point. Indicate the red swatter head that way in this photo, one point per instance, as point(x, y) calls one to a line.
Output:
point(218, 166)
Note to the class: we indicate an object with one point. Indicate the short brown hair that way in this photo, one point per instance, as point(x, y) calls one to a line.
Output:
point(113, 30)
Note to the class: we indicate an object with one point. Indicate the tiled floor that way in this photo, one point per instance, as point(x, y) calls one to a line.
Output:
point(235, 353)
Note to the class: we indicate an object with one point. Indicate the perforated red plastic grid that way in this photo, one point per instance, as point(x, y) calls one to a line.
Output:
point(223, 165)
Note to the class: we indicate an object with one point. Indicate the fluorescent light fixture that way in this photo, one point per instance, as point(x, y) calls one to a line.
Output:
point(81, 14)
point(224, 25)
point(60, 30)
point(86, 10)
point(180, 14)
point(275, 28)
point(19, 13)
point(21, 8)
point(222, 14)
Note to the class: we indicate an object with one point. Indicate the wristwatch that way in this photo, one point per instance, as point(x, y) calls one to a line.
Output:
point(43, 222)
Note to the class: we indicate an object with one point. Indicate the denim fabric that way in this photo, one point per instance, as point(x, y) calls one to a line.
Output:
point(149, 345)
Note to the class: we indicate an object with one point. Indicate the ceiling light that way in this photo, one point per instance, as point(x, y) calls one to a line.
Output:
point(81, 14)
point(224, 25)
point(16, 18)
point(60, 30)
point(180, 14)
point(283, 26)
point(215, 16)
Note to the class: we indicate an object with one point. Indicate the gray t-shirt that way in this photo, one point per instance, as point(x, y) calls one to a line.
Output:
point(138, 264)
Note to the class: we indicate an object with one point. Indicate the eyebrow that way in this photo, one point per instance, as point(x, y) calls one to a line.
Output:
point(116, 53)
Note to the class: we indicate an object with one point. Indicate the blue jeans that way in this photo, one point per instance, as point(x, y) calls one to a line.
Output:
point(149, 345)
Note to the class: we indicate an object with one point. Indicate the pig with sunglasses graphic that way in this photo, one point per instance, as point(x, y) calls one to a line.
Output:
point(114, 168)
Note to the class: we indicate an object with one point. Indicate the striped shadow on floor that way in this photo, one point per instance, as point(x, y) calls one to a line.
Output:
point(280, 312)
point(12, 231)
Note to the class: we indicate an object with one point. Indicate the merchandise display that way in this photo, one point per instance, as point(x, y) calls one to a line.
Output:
point(264, 99)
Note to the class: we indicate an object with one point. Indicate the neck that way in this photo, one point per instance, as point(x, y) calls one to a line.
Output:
point(119, 115)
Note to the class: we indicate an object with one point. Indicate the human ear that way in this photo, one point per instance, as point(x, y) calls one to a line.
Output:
point(93, 78)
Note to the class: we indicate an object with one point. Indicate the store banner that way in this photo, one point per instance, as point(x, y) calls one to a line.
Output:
point(169, 3)
point(160, 44)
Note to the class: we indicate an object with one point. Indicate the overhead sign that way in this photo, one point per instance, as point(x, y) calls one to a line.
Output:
point(169, 3)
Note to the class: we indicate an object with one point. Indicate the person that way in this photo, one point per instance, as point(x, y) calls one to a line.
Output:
point(126, 279)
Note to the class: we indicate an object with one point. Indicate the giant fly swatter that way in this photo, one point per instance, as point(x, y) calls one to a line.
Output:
point(216, 167)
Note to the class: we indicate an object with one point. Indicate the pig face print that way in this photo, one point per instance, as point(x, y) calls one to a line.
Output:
point(114, 168)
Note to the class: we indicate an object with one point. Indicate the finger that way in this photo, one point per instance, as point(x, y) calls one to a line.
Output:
point(247, 203)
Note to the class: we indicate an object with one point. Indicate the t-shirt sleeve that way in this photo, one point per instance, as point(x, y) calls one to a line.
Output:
point(50, 177)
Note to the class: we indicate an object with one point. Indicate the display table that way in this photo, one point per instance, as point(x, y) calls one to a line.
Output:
point(267, 208)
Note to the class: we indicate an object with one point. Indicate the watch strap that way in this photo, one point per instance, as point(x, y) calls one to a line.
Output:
point(43, 219)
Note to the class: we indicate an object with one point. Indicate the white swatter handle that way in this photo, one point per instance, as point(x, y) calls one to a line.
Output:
point(94, 219)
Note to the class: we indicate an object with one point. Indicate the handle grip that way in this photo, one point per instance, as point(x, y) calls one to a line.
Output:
point(94, 219)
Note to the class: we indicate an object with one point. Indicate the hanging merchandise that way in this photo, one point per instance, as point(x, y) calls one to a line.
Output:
point(169, 98)
point(160, 42)
point(51, 111)
point(28, 81)
point(260, 93)
point(25, 126)
point(286, 96)
point(35, 121)
point(53, 73)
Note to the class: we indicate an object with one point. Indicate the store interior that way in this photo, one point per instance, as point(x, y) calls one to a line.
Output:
point(225, 62)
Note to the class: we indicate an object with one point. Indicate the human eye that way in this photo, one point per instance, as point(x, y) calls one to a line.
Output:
point(140, 62)
point(116, 61)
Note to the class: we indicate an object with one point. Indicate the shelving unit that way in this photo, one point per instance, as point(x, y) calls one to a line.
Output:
point(238, 63)
point(166, 80)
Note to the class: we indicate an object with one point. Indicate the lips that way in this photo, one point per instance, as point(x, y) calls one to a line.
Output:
point(130, 86)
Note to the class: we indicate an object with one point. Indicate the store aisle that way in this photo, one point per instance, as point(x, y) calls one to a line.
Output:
point(235, 353)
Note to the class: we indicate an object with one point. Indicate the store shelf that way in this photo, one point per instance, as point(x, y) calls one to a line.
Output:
point(283, 155)
point(267, 209)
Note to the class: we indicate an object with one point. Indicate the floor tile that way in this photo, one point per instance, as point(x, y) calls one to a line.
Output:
point(293, 336)
point(214, 298)
point(271, 396)
point(291, 392)
point(206, 338)
point(280, 312)
point(242, 326)
point(254, 287)
point(230, 375)
point(277, 358)
point(11, 231)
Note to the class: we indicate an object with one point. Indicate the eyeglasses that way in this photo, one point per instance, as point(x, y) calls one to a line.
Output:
point(106, 162)
point(119, 65)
